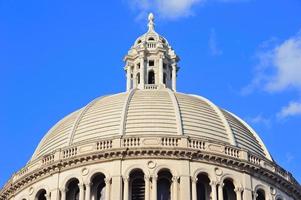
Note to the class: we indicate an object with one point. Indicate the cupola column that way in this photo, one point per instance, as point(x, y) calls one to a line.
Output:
point(142, 71)
point(160, 70)
point(174, 76)
point(128, 77)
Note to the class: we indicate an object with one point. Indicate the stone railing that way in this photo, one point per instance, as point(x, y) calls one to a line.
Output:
point(157, 142)
point(150, 87)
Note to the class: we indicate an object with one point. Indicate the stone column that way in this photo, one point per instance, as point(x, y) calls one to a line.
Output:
point(128, 78)
point(47, 196)
point(81, 191)
point(194, 188)
point(154, 187)
point(126, 188)
point(238, 191)
point(174, 76)
point(175, 187)
point(160, 70)
point(147, 187)
point(55, 194)
point(220, 191)
point(213, 190)
point(108, 187)
point(142, 71)
point(185, 187)
point(88, 191)
point(117, 185)
point(63, 194)
point(255, 195)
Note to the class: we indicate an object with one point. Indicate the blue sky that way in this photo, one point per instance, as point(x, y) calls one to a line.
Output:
point(56, 56)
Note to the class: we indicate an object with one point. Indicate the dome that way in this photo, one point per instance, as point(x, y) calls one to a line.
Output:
point(149, 143)
point(151, 112)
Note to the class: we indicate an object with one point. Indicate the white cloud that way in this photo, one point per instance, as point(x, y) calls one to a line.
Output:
point(170, 9)
point(259, 119)
point(292, 109)
point(213, 46)
point(279, 68)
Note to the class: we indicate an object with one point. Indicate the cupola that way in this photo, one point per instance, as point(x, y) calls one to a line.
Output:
point(151, 63)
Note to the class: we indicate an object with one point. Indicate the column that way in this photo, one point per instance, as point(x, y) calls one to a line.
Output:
point(55, 194)
point(135, 77)
point(174, 76)
point(213, 190)
point(175, 187)
point(47, 196)
point(126, 188)
point(160, 70)
point(117, 185)
point(185, 187)
point(238, 193)
point(63, 193)
point(154, 187)
point(88, 191)
point(142, 69)
point(255, 195)
point(220, 191)
point(108, 188)
point(81, 191)
point(128, 78)
point(147, 184)
point(194, 188)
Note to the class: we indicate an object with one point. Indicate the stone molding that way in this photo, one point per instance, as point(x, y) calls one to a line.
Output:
point(168, 147)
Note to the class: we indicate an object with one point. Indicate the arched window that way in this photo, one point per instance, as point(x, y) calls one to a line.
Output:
point(228, 190)
point(260, 194)
point(151, 77)
point(138, 78)
point(41, 195)
point(151, 39)
point(72, 190)
point(164, 185)
point(98, 186)
point(203, 187)
point(164, 78)
point(137, 185)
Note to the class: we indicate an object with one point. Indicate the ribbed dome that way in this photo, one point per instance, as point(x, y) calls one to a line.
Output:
point(151, 112)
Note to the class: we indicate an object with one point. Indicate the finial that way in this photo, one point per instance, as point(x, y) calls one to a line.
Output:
point(151, 22)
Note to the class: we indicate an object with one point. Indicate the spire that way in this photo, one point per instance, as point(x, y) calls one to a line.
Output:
point(151, 23)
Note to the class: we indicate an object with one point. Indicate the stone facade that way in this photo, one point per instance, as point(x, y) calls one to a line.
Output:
point(151, 143)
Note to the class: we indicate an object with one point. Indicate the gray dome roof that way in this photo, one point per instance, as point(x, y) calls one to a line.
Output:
point(151, 112)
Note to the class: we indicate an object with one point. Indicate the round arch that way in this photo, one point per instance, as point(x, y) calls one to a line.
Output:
point(202, 171)
point(69, 178)
point(236, 183)
point(94, 172)
point(165, 167)
point(131, 168)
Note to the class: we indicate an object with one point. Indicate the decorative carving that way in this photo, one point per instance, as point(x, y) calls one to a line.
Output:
point(151, 164)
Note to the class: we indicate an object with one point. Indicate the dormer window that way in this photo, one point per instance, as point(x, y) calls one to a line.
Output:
point(151, 63)
point(151, 39)
point(139, 41)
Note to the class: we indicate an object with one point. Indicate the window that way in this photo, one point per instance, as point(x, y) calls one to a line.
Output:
point(151, 39)
point(164, 65)
point(151, 77)
point(151, 63)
